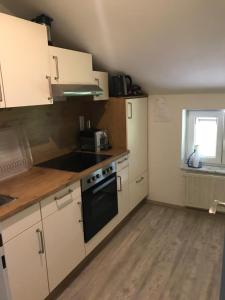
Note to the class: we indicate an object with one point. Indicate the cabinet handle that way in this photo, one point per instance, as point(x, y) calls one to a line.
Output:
point(41, 241)
point(98, 82)
point(1, 85)
point(50, 87)
point(131, 111)
point(121, 161)
point(120, 179)
point(56, 66)
point(64, 195)
point(1, 98)
point(61, 202)
point(139, 180)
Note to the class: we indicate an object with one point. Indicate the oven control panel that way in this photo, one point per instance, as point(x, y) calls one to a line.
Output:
point(97, 176)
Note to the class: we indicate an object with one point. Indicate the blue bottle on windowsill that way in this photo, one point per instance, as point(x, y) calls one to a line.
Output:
point(194, 159)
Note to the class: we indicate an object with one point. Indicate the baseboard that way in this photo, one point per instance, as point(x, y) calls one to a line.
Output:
point(165, 204)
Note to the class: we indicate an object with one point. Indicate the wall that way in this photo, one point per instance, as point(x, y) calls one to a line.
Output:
point(166, 182)
point(52, 130)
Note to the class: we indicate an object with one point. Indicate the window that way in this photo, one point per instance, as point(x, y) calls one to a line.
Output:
point(206, 129)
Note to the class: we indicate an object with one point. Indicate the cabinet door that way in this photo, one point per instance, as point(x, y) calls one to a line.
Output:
point(26, 268)
point(70, 67)
point(24, 62)
point(124, 205)
point(138, 189)
point(102, 80)
point(137, 136)
point(64, 240)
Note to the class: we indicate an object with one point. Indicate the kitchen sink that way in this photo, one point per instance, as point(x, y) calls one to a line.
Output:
point(5, 199)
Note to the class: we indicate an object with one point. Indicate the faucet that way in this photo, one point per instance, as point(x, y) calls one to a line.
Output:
point(212, 209)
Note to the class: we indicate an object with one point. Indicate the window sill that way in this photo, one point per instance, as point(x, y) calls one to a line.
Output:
point(205, 169)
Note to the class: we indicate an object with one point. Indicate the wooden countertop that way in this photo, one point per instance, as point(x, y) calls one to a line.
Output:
point(38, 183)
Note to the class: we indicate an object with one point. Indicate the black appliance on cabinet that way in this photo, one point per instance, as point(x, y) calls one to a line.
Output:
point(120, 86)
point(47, 21)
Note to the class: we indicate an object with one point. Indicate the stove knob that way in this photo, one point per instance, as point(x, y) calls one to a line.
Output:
point(104, 172)
point(98, 176)
point(89, 180)
point(111, 168)
point(93, 178)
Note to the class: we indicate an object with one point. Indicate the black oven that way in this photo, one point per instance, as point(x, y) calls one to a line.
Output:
point(99, 200)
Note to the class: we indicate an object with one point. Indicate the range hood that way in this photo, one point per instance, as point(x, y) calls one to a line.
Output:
point(71, 90)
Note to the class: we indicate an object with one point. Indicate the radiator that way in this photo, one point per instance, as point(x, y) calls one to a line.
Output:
point(202, 189)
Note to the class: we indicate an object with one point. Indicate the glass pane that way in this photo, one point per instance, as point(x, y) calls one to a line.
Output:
point(206, 136)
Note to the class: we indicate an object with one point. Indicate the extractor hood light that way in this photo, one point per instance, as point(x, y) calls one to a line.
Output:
point(72, 90)
point(72, 93)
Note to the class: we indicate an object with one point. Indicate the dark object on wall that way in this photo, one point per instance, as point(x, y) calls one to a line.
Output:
point(45, 20)
point(120, 86)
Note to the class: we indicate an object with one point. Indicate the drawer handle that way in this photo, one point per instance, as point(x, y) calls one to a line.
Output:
point(140, 180)
point(121, 161)
point(41, 241)
point(59, 200)
point(64, 195)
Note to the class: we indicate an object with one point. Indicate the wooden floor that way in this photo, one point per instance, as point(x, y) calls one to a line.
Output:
point(160, 253)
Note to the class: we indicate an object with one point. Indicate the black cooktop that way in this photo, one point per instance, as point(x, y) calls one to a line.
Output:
point(74, 161)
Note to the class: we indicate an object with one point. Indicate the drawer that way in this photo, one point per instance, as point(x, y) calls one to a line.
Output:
point(21, 221)
point(138, 189)
point(60, 199)
point(122, 163)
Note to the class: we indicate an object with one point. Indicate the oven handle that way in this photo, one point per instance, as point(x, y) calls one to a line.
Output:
point(99, 188)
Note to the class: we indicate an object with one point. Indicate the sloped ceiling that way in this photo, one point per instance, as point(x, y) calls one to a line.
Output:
point(167, 46)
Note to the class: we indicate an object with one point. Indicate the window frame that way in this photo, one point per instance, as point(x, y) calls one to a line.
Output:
point(191, 117)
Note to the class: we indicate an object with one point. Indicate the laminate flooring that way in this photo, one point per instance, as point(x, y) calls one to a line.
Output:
point(160, 253)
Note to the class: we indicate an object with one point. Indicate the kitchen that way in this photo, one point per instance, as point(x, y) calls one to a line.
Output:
point(95, 192)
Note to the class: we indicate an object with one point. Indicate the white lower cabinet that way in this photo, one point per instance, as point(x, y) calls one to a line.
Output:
point(138, 189)
point(45, 242)
point(63, 233)
point(26, 265)
point(124, 204)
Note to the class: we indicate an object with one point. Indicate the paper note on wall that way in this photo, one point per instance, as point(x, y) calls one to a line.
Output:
point(161, 110)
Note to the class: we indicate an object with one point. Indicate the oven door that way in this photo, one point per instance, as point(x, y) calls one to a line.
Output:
point(99, 205)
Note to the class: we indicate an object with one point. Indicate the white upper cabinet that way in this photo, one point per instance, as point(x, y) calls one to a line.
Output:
point(102, 80)
point(137, 136)
point(24, 61)
point(70, 67)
